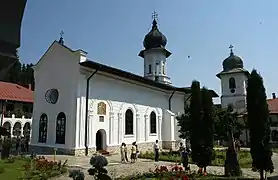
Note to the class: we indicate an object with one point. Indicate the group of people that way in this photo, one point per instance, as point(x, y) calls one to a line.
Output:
point(134, 153)
point(22, 144)
point(184, 153)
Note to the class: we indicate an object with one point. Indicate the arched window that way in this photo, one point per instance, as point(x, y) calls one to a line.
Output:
point(153, 123)
point(43, 128)
point(128, 122)
point(61, 128)
point(232, 83)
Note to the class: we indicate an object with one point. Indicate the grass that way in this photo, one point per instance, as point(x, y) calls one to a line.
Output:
point(245, 159)
point(11, 170)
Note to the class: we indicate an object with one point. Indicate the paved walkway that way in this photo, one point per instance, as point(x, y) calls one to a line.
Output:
point(116, 169)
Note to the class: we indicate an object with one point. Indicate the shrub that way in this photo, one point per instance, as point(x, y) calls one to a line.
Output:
point(98, 171)
point(2, 169)
point(76, 174)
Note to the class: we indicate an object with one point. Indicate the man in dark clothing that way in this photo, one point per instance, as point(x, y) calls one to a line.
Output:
point(156, 151)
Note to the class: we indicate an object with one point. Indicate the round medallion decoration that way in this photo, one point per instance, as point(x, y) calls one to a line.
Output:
point(233, 90)
point(51, 96)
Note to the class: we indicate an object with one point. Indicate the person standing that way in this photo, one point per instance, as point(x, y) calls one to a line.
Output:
point(133, 152)
point(156, 151)
point(125, 151)
point(17, 143)
point(181, 150)
point(122, 153)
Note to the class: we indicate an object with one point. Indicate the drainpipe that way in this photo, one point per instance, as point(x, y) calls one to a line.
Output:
point(86, 110)
point(170, 98)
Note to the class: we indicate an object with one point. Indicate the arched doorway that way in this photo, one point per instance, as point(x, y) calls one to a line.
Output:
point(26, 129)
point(8, 126)
point(101, 140)
point(17, 129)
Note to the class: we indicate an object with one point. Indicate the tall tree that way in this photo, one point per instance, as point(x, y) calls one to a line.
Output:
point(196, 115)
point(207, 128)
point(259, 125)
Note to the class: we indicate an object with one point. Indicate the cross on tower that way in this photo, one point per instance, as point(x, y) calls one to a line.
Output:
point(154, 15)
point(62, 33)
point(231, 48)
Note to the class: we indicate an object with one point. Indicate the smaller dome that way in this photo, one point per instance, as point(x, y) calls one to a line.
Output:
point(232, 62)
point(155, 39)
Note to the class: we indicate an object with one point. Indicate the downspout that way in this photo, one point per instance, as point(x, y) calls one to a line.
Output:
point(170, 98)
point(86, 110)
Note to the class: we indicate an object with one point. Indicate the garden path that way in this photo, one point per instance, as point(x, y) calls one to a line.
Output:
point(116, 169)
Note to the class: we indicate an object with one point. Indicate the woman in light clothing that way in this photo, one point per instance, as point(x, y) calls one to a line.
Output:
point(133, 152)
point(123, 153)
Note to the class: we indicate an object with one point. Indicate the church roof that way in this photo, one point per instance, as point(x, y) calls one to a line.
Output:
point(129, 75)
point(15, 92)
point(134, 77)
point(233, 71)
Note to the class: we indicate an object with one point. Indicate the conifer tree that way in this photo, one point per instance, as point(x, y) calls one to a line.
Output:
point(207, 128)
point(259, 125)
point(196, 115)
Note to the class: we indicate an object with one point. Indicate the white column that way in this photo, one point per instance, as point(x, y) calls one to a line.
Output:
point(21, 129)
point(159, 127)
point(120, 128)
point(111, 128)
point(90, 133)
point(137, 127)
point(146, 127)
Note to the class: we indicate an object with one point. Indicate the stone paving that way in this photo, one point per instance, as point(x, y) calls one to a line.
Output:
point(116, 169)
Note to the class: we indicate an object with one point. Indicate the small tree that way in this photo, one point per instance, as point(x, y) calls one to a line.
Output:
point(259, 125)
point(228, 122)
point(184, 122)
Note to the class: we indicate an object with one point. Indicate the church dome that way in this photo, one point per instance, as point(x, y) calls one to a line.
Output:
point(232, 62)
point(155, 39)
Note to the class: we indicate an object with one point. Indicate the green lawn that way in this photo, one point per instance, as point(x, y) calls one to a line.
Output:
point(245, 159)
point(11, 170)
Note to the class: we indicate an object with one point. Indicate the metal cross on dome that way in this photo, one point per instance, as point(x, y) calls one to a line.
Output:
point(231, 48)
point(154, 15)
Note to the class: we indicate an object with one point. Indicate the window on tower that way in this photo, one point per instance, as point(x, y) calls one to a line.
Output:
point(232, 83)
point(150, 69)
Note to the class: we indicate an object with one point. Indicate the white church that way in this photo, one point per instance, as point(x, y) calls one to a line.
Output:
point(81, 106)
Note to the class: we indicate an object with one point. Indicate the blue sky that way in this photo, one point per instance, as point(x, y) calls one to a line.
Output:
point(112, 33)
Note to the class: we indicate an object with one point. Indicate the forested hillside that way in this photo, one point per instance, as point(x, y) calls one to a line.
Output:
point(20, 73)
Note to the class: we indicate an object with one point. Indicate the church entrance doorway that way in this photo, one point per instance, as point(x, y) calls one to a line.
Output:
point(101, 140)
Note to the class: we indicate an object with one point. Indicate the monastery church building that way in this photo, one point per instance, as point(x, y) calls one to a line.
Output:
point(81, 106)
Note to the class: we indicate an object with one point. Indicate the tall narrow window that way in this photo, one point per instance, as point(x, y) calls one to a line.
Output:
point(153, 123)
point(150, 69)
point(61, 128)
point(232, 83)
point(128, 122)
point(163, 69)
point(43, 128)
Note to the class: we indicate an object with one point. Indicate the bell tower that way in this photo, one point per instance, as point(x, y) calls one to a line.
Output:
point(155, 54)
point(233, 81)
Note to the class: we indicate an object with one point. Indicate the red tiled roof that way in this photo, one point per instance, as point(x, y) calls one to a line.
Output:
point(273, 106)
point(15, 92)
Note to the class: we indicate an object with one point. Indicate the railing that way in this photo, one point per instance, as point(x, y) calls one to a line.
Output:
point(21, 115)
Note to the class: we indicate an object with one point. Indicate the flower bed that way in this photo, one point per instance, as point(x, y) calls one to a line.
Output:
point(176, 172)
point(27, 168)
point(219, 156)
point(41, 168)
